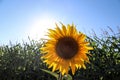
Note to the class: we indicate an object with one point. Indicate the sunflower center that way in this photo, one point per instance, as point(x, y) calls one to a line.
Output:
point(66, 47)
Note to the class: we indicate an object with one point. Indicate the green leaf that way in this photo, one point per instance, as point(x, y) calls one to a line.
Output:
point(51, 73)
point(67, 77)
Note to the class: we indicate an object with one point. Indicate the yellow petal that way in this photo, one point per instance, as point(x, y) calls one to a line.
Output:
point(59, 30)
point(64, 29)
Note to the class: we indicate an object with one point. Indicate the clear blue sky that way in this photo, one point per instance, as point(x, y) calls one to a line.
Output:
point(22, 18)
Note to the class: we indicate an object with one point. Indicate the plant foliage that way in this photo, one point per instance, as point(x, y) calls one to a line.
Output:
point(22, 61)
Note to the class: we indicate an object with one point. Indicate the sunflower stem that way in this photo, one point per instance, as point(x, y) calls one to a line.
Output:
point(60, 77)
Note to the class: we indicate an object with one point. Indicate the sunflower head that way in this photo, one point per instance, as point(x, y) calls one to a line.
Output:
point(65, 49)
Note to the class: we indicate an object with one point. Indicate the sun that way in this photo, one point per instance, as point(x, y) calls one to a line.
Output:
point(39, 27)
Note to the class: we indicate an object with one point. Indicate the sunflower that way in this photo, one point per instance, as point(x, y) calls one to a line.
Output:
point(65, 49)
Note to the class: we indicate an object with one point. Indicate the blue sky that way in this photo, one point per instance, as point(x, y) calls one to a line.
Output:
point(22, 18)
